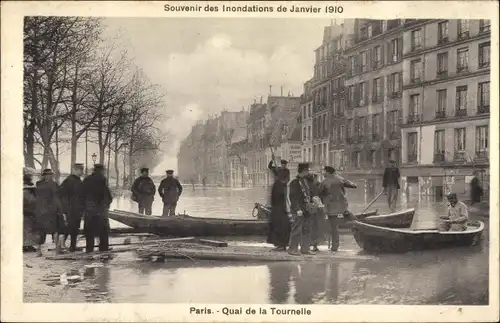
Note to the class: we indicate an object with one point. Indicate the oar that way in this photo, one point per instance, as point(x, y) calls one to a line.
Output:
point(373, 201)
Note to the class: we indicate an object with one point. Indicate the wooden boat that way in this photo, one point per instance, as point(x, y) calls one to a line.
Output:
point(382, 239)
point(187, 226)
point(400, 219)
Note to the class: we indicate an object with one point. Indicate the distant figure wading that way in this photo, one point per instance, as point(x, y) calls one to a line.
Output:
point(170, 190)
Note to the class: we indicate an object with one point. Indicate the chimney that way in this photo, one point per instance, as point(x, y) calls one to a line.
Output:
point(281, 91)
point(270, 90)
point(261, 99)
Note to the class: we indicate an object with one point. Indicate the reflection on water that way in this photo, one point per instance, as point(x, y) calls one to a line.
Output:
point(451, 276)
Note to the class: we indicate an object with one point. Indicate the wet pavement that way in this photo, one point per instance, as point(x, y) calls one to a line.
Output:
point(451, 276)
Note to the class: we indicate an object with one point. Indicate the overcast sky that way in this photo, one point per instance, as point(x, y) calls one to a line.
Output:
point(207, 65)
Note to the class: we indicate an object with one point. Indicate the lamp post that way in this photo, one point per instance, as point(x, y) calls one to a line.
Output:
point(94, 157)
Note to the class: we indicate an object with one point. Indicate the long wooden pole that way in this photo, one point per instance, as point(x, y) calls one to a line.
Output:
point(373, 201)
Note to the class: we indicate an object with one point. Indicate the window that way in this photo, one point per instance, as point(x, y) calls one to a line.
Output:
point(415, 70)
point(484, 25)
point(460, 140)
point(482, 141)
point(309, 132)
point(375, 125)
point(377, 91)
point(350, 128)
point(416, 39)
point(362, 94)
point(334, 134)
point(394, 53)
point(394, 85)
point(352, 64)
point(361, 129)
point(304, 134)
point(439, 145)
point(483, 91)
point(414, 103)
point(463, 28)
point(484, 54)
point(357, 159)
point(370, 31)
point(373, 158)
point(462, 59)
point(377, 57)
point(351, 95)
point(442, 68)
point(412, 147)
point(364, 62)
point(443, 32)
point(342, 132)
point(461, 105)
point(393, 121)
point(441, 106)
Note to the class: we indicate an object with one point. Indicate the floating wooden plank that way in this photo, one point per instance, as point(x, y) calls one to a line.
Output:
point(212, 243)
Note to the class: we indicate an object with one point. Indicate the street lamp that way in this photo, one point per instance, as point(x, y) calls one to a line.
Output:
point(94, 157)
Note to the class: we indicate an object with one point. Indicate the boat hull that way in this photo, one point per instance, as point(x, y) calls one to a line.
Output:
point(373, 238)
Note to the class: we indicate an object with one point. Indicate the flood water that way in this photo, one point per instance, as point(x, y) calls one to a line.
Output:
point(451, 276)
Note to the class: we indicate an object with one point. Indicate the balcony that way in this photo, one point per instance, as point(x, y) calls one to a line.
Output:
point(460, 113)
point(441, 74)
point(440, 114)
point(483, 109)
point(463, 35)
point(415, 80)
point(413, 118)
point(462, 69)
point(394, 95)
point(412, 158)
point(416, 47)
point(485, 29)
point(393, 23)
point(460, 156)
point(483, 64)
point(439, 157)
point(357, 139)
point(443, 40)
point(375, 137)
point(482, 154)
point(394, 135)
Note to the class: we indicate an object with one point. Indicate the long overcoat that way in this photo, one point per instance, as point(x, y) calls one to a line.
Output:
point(71, 192)
point(48, 210)
point(97, 199)
point(279, 224)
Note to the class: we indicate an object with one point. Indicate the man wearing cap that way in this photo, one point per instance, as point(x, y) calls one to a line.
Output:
point(457, 217)
point(72, 202)
point(48, 212)
point(144, 191)
point(170, 190)
point(274, 169)
point(390, 184)
point(302, 206)
point(30, 232)
point(335, 201)
point(97, 199)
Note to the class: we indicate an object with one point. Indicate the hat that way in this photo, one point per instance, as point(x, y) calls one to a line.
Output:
point(144, 169)
point(451, 196)
point(47, 171)
point(78, 165)
point(329, 169)
point(28, 185)
point(284, 162)
point(98, 166)
point(170, 171)
point(302, 167)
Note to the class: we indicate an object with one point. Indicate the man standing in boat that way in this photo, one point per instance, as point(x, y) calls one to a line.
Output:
point(302, 206)
point(335, 201)
point(144, 191)
point(72, 202)
point(457, 217)
point(97, 198)
point(170, 190)
point(274, 169)
point(390, 182)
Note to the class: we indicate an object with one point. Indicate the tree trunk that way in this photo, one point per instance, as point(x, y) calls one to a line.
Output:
point(109, 162)
point(131, 168)
point(117, 170)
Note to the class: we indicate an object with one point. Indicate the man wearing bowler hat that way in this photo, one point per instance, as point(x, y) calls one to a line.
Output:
point(97, 199)
point(170, 190)
point(144, 191)
point(302, 207)
point(72, 202)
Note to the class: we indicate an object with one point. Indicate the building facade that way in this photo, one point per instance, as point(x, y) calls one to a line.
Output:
point(446, 105)
point(306, 102)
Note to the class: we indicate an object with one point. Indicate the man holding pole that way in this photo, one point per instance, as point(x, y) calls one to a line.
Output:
point(390, 183)
point(335, 201)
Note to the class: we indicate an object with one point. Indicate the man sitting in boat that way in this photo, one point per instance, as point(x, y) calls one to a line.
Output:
point(456, 219)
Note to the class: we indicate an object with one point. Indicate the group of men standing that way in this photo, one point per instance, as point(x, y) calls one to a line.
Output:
point(300, 206)
point(144, 190)
point(55, 209)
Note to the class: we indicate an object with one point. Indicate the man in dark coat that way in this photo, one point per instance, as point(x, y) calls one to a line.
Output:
point(476, 191)
point(72, 202)
point(318, 222)
point(279, 222)
point(144, 191)
point(97, 199)
point(48, 212)
point(170, 190)
point(390, 183)
point(30, 232)
point(300, 196)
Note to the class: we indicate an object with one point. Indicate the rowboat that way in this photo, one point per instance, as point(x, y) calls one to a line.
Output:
point(374, 238)
point(183, 225)
point(400, 219)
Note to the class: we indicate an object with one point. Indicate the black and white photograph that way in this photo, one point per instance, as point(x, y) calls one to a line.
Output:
point(227, 159)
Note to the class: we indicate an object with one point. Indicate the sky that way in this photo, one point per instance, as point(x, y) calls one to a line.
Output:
point(210, 65)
